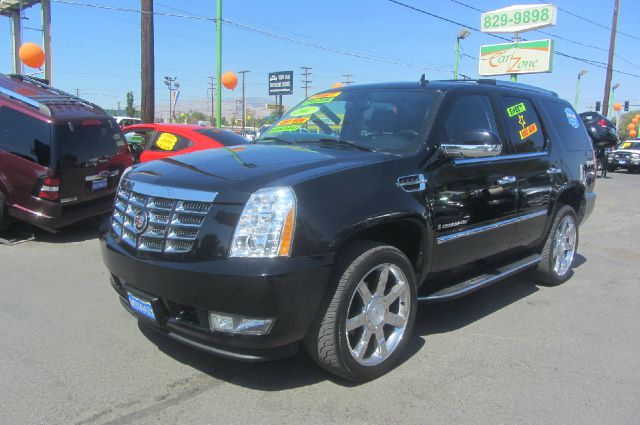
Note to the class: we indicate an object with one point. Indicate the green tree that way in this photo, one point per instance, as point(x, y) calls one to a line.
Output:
point(130, 110)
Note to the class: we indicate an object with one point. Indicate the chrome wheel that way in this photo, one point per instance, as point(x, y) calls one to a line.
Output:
point(378, 314)
point(564, 246)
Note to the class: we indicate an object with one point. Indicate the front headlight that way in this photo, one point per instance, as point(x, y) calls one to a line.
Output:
point(265, 228)
point(635, 155)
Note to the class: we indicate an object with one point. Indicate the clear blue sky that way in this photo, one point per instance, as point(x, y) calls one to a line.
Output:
point(98, 52)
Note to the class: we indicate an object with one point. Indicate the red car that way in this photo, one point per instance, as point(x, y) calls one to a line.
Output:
point(154, 141)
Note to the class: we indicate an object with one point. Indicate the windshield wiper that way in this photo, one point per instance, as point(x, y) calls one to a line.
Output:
point(346, 142)
point(276, 139)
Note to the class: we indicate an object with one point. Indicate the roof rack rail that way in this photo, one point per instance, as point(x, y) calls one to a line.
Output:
point(514, 85)
point(57, 97)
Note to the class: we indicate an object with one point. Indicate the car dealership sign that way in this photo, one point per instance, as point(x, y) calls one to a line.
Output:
point(523, 57)
point(519, 18)
point(280, 83)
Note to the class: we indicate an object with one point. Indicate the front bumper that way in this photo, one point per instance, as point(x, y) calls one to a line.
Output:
point(631, 164)
point(291, 290)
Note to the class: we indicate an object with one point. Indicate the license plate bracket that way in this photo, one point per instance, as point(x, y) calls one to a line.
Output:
point(141, 306)
point(99, 184)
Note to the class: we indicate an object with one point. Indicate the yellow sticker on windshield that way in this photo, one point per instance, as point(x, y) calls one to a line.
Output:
point(307, 110)
point(166, 141)
point(322, 98)
point(626, 145)
point(289, 125)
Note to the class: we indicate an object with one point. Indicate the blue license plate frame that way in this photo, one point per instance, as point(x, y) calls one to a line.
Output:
point(141, 306)
point(99, 184)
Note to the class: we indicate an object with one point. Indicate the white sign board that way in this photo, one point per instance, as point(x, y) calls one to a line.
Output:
point(519, 18)
point(524, 57)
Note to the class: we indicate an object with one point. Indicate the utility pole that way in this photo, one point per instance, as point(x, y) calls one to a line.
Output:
point(77, 92)
point(612, 48)
point(147, 68)
point(219, 63)
point(45, 6)
point(306, 80)
point(244, 102)
point(347, 78)
point(212, 93)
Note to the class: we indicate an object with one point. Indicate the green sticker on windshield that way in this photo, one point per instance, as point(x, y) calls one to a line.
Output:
point(308, 110)
point(516, 109)
point(322, 98)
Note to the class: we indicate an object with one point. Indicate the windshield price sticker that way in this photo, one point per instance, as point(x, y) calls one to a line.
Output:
point(289, 125)
point(166, 141)
point(308, 110)
point(322, 98)
point(516, 109)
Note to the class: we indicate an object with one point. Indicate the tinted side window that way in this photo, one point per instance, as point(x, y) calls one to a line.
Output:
point(470, 113)
point(226, 138)
point(25, 136)
point(523, 125)
point(169, 142)
point(565, 121)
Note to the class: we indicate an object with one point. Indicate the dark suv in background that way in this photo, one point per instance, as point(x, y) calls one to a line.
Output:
point(355, 206)
point(60, 156)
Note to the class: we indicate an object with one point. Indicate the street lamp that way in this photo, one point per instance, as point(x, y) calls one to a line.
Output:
point(172, 85)
point(613, 94)
point(462, 34)
point(580, 74)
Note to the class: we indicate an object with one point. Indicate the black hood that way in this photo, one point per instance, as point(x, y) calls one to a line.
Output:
point(237, 172)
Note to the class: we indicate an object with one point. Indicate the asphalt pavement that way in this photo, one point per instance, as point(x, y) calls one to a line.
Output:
point(514, 353)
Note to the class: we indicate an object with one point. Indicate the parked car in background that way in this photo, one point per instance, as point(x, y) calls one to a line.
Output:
point(154, 141)
point(60, 156)
point(127, 121)
point(602, 131)
point(626, 155)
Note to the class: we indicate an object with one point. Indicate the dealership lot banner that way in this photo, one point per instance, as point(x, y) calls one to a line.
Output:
point(519, 18)
point(524, 57)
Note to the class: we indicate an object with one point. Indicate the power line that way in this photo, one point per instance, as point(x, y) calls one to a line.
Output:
point(557, 52)
point(124, 9)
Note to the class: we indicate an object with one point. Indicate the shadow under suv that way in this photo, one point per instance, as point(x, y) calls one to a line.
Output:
point(357, 205)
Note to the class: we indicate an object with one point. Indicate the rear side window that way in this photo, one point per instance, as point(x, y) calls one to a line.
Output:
point(25, 136)
point(226, 138)
point(523, 125)
point(169, 142)
point(86, 142)
point(567, 124)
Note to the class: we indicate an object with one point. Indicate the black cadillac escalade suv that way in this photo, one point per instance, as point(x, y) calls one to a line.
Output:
point(357, 205)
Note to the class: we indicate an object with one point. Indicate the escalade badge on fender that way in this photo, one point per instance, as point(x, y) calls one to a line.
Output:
point(141, 221)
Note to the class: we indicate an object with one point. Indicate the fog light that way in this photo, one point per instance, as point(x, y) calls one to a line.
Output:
point(239, 325)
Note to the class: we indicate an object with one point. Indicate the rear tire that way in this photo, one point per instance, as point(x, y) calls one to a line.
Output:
point(5, 219)
point(560, 248)
point(362, 331)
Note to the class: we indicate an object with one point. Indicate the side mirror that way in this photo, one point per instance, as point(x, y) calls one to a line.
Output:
point(473, 144)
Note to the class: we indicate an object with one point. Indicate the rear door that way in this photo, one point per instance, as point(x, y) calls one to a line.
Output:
point(90, 155)
point(529, 141)
point(473, 200)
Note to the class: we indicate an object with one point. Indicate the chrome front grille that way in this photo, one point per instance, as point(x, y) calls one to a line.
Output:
point(159, 219)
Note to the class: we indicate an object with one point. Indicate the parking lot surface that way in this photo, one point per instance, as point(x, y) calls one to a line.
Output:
point(513, 353)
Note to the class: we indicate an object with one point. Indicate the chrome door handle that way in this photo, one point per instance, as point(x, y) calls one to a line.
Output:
point(554, 170)
point(506, 180)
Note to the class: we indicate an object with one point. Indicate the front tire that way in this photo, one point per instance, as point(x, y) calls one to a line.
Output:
point(561, 245)
point(364, 328)
point(5, 219)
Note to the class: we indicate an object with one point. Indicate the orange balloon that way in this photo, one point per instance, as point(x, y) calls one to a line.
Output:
point(229, 80)
point(633, 134)
point(635, 120)
point(637, 116)
point(336, 85)
point(617, 106)
point(631, 126)
point(31, 55)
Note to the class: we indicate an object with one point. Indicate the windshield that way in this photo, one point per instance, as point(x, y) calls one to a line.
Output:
point(377, 120)
point(629, 145)
point(86, 141)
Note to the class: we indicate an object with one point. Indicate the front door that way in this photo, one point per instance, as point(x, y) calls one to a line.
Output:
point(473, 201)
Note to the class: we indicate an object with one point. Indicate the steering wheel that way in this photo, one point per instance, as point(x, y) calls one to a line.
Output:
point(407, 134)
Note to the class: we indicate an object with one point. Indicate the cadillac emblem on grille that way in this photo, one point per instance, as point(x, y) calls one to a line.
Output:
point(141, 221)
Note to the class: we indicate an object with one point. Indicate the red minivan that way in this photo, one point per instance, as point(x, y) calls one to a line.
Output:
point(61, 157)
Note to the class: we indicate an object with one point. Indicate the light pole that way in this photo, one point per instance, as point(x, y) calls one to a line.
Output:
point(244, 102)
point(613, 94)
point(461, 36)
point(580, 74)
point(171, 84)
